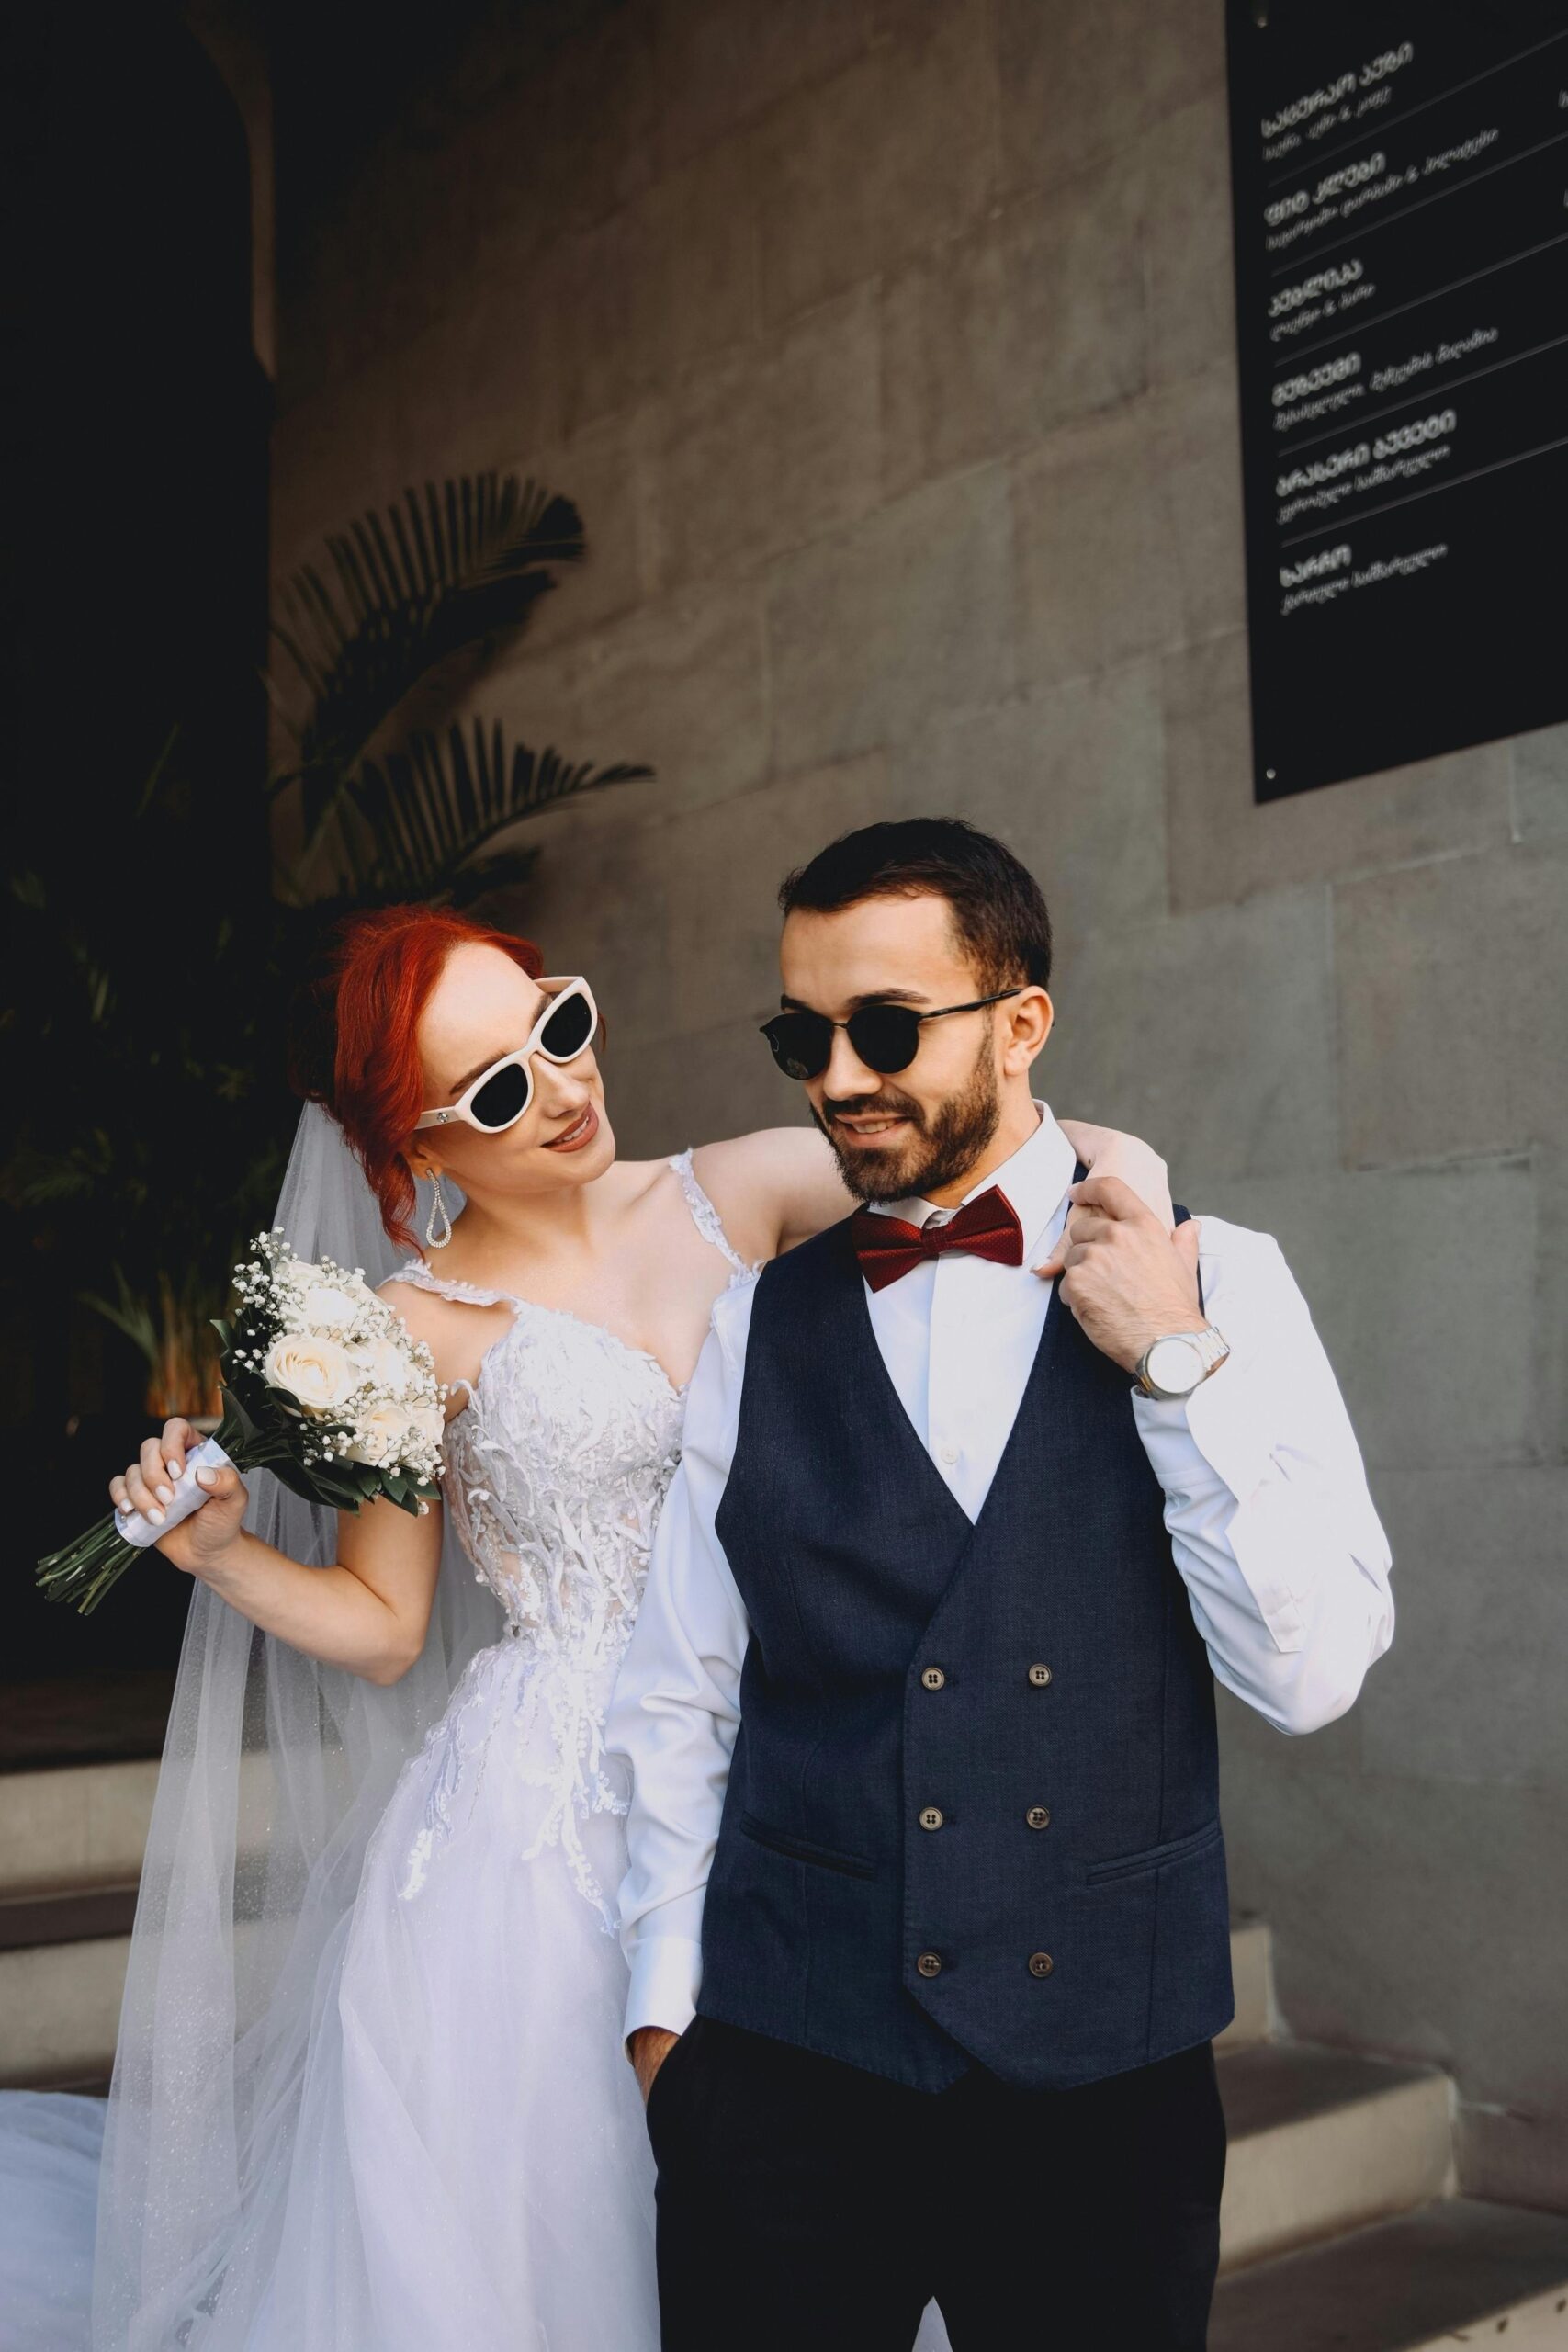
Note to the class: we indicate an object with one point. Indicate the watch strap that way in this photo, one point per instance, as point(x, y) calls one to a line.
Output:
point(1211, 1349)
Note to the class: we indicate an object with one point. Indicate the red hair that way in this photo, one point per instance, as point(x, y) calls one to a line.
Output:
point(355, 1042)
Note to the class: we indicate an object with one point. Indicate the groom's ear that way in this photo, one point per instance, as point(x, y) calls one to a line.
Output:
point(1031, 1015)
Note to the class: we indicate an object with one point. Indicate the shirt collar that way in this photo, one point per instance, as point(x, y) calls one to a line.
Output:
point(1036, 1181)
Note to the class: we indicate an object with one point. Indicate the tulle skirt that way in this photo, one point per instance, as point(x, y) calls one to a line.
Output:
point(50, 2146)
point(468, 2168)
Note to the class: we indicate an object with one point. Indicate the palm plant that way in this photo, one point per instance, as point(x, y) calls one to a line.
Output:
point(141, 1038)
point(419, 824)
point(401, 594)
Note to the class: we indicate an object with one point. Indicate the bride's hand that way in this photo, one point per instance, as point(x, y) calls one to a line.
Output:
point(198, 1543)
point(1107, 1151)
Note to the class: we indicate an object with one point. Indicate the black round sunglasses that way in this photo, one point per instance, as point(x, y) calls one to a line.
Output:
point(885, 1037)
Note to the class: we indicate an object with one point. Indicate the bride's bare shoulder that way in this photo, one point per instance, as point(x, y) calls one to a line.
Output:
point(457, 1332)
point(773, 1188)
point(426, 1313)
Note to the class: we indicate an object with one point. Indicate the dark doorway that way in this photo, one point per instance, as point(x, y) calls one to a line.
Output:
point(136, 418)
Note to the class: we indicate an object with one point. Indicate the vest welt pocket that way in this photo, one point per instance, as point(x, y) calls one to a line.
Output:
point(1174, 1849)
point(801, 1849)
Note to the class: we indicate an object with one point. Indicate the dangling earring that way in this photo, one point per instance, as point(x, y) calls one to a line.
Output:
point(437, 1240)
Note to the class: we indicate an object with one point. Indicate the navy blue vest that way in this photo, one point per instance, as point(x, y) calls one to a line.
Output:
point(972, 1813)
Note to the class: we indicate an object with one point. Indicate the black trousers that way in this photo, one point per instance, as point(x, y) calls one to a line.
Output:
point(810, 2207)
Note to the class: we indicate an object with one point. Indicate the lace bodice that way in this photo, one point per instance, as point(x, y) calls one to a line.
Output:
point(556, 1470)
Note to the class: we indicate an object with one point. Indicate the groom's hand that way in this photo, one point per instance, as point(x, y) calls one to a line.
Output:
point(647, 2049)
point(1124, 1277)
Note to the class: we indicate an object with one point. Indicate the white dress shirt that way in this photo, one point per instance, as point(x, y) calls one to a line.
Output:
point(1266, 1503)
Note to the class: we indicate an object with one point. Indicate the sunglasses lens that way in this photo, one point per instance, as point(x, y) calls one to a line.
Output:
point(503, 1098)
point(802, 1043)
point(567, 1029)
point(885, 1037)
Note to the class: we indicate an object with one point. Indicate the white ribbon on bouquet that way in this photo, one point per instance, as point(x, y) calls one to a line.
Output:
point(188, 1497)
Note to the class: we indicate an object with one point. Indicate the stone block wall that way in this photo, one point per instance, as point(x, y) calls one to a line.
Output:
point(887, 346)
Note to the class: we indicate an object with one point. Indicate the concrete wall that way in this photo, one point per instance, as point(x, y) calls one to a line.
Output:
point(887, 345)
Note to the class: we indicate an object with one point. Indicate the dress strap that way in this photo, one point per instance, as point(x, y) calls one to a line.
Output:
point(707, 1218)
point(423, 1277)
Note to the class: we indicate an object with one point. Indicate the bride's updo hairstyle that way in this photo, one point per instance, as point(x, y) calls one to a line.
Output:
point(353, 1034)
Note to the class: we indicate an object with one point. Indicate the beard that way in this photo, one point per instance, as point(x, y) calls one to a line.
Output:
point(946, 1144)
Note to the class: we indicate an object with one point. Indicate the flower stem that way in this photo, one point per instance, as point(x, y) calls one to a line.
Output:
point(85, 1571)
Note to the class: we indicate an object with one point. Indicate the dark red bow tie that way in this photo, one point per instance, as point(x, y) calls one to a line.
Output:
point(886, 1247)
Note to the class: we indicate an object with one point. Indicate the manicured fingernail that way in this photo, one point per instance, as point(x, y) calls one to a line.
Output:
point(155, 1515)
point(206, 1477)
point(165, 1494)
point(170, 1471)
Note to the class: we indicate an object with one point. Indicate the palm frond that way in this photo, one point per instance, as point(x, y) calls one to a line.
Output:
point(128, 1312)
point(399, 592)
point(417, 822)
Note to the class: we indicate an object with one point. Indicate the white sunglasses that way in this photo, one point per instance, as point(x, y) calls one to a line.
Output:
point(499, 1095)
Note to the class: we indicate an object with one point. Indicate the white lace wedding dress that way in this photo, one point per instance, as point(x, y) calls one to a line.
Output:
point(470, 2170)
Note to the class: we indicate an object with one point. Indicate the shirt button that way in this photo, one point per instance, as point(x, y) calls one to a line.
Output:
point(931, 1817)
point(950, 1454)
point(1038, 1817)
point(930, 1963)
point(1041, 1963)
point(1040, 1676)
point(933, 1678)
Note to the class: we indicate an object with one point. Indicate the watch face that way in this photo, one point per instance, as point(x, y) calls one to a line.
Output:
point(1175, 1364)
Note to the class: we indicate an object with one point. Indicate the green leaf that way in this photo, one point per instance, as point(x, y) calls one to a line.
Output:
point(402, 593)
point(423, 816)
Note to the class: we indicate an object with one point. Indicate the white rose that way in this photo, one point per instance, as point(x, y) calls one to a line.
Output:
point(319, 1372)
point(429, 1423)
point(386, 1364)
point(379, 1435)
point(325, 1309)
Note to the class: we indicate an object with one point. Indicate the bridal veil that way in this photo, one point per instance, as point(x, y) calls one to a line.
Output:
point(276, 1771)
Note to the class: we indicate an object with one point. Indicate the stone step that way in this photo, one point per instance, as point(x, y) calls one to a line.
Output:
point(1252, 1969)
point(60, 2011)
point(74, 1824)
point(1454, 2273)
point(70, 1915)
point(1322, 2141)
point(63, 1958)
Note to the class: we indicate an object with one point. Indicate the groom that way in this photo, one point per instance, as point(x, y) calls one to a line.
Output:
point(926, 1904)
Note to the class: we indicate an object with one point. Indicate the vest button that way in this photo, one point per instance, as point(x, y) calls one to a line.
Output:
point(933, 1678)
point(931, 1817)
point(1039, 1816)
point(1040, 1676)
point(930, 1963)
point(1041, 1963)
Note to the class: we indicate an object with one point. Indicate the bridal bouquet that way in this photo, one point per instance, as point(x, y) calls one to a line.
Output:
point(324, 1384)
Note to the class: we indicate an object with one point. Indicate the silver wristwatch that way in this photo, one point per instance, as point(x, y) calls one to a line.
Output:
point(1171, 1367)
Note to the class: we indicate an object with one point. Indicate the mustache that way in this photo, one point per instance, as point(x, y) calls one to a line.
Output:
point(886, 1104)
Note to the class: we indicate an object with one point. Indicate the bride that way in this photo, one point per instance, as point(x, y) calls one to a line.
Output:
point(370, 2093)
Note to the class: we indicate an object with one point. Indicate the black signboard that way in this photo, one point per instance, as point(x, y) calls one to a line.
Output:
point(1400, 175)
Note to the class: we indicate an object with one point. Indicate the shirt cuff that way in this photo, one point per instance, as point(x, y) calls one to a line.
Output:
point(667, 1975)
point(1220, 1421)
point(1223, 1429)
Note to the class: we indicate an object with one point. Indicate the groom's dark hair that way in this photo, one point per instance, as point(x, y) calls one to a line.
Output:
point(998, 910)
